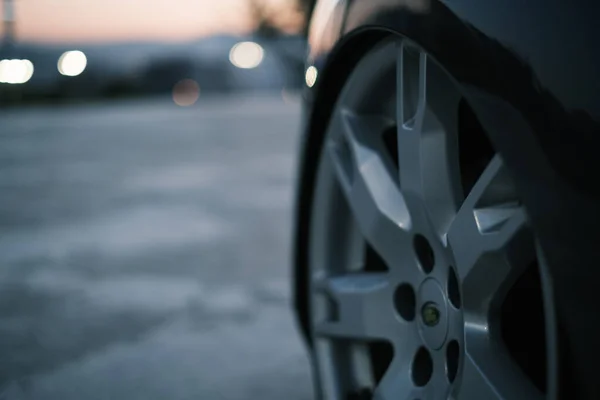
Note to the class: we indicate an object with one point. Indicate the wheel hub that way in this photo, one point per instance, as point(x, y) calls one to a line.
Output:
point(438, 323)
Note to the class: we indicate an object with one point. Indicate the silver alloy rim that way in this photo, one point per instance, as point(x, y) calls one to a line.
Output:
point(450, 260)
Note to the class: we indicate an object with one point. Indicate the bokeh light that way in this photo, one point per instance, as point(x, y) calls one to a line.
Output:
point(15, 71)
point(72, 63)
point(186, 92)
point(311, 76)
point(246, 55)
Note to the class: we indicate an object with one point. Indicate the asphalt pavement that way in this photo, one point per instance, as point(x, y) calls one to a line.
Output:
point(144, 251)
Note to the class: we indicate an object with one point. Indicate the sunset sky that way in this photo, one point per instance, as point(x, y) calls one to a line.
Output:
point(119, 20)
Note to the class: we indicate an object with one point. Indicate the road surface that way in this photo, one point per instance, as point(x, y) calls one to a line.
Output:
point(144, 251)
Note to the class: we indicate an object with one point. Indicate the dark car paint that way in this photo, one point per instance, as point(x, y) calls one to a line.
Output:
point(529, 70)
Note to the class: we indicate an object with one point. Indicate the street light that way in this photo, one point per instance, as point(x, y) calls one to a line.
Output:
point(246, 55)
point(72, 63)
point(15, 71)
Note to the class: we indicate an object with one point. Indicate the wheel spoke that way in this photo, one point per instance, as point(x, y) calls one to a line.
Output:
point(438, 387)
point(397, 384)
point(488, 373)
point(427, 135)
point(411, 109)
point(489, 237)
point(362, 307)
point(364, 171)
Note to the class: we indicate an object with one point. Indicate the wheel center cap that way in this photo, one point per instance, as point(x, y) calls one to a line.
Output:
point(430, 314)
point(433, 310)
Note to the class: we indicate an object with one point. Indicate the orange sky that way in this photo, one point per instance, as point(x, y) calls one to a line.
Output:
point(116, 20)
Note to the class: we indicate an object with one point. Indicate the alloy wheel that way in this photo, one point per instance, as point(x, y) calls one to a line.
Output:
point(417, 243)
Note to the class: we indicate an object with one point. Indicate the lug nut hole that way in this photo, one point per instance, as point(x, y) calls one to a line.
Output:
point(405, 301)
point(422, 367)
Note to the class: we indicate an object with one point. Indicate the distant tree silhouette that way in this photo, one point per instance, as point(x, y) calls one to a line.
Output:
point(263, 20)
point(271, 21)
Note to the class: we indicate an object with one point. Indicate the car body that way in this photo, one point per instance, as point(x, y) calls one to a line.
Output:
point(530, 71)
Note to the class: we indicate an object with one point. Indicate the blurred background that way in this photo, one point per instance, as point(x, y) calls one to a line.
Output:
point(147, 156)
point(75, 50)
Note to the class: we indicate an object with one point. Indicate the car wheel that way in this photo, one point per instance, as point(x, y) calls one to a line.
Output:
point(424, 277)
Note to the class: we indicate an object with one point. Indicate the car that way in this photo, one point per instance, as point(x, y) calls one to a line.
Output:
point(447, 206)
